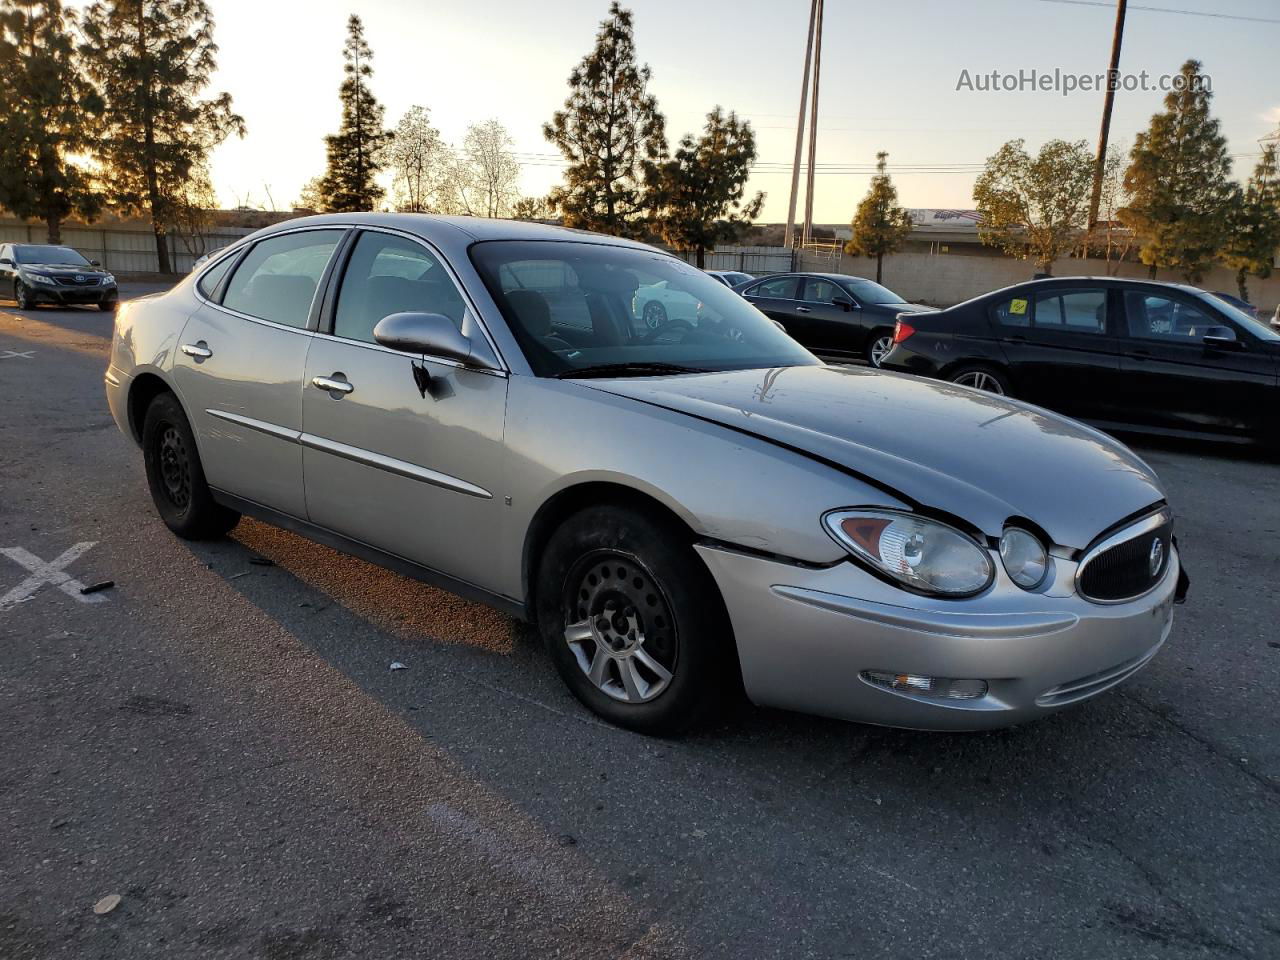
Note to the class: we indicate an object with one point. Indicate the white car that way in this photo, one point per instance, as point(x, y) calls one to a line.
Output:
point(658, 304)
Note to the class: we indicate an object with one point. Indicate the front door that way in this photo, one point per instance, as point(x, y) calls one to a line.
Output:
point(1061, 348)
point(834, 328)
point(413, 471)
point(238, 369)
point(1174, 380)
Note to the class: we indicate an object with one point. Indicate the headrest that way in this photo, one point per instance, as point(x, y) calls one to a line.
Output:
point(531, 310)
point(606, 279)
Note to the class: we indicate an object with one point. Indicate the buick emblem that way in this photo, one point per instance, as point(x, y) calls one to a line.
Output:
point(1156, 560)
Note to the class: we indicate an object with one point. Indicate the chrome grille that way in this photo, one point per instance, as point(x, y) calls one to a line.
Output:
point(1128, 563)
point(73, 282)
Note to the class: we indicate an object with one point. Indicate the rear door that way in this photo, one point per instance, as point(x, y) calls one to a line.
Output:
point(1061, 347)
point(239, 366)
point(775, 297)
point(1173, 380)
point(412, 470)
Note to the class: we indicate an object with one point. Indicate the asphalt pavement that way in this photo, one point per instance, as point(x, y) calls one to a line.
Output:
point(222, 744)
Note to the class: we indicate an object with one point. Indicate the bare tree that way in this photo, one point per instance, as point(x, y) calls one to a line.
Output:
point(484, 178)
point(419, 162)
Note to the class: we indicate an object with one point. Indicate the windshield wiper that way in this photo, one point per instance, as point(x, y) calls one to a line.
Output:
point(627, 370)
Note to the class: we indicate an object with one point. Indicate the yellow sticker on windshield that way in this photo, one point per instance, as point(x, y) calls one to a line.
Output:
point(1018, 306)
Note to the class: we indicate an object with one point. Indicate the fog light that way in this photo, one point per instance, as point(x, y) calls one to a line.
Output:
point(941, 688)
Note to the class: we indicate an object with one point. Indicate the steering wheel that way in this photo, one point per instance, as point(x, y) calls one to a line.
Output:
point(671, 326)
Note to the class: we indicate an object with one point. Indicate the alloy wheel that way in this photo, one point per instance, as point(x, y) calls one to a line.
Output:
point(655, 314)
point(20, 295)
point(619, 626)
point(980, 380)
point(880, 348)
point(175, 467)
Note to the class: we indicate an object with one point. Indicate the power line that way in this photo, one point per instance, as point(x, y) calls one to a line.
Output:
point(1185, 13)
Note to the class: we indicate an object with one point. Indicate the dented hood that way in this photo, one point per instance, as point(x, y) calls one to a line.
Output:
point(975, 455)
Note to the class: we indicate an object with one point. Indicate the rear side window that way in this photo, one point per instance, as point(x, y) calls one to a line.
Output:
point(783, 288)
point(1014, 312)
point(209, 280)
point(386, 275)
point(277, 279)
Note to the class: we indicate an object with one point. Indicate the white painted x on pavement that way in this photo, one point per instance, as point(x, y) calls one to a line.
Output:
point(50, 573)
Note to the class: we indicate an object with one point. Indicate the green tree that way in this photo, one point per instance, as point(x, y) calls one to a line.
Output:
point(355, 152)
point(699, 191)
point(46, 109)
point(1035, 207)
point(419, 161)
point(1179, 181)
point(611, 133)
point(151, 60)
point(1254, 227)
point(880, 226)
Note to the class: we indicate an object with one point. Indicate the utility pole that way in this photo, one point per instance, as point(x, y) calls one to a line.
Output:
point(1113, 79)
point(813, 125)
point(804, 93)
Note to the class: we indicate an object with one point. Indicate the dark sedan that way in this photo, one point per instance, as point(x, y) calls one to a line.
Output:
point(833, 314)
point(33, 273)
point(1123, 354)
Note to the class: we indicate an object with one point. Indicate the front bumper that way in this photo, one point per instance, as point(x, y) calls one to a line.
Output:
point(43, 293)
point(806, 635)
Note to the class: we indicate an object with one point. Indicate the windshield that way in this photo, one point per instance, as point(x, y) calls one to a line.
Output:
point(574, 306)
point(24, 253)
point(1254, 326)
point(868, 291)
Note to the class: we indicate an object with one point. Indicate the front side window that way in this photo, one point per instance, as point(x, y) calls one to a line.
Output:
point(781, 288)
point(388, 274)
point(1155, 317)
point(817, 290)
point(1073, 311)
point(277, 279)
point(573, 306)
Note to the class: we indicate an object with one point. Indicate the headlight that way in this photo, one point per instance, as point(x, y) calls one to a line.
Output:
point(1024, 558)
point(108, 278)
point(921, 554)
point(39, 278)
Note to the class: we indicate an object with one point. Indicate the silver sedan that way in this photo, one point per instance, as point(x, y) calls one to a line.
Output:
point(685, 512)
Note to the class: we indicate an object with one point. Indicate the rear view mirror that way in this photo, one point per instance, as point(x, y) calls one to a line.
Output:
point(424, 333)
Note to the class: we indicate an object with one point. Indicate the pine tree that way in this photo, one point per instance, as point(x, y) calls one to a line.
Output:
point(151, 59)
point(699, 191)
point(1254, 227)
point(46, 110)
point(355, 152)
point(1035, 207)
point(1179, 182)
point(611, 133)
point(880, 226)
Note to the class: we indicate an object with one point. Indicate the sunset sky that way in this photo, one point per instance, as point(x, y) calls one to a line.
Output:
point(890, 73)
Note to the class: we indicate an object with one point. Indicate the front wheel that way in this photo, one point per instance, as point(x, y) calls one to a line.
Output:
point(21, 296)
point(655, 315)
point(633, 620)
point(176, 476)
point(981, 378)
point(878, 346)
point(108, 306)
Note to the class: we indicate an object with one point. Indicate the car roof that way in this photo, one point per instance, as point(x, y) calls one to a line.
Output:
point(433, 227)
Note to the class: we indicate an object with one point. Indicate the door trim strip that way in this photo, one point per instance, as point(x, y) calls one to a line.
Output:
point(262, 426)
point(402, 468)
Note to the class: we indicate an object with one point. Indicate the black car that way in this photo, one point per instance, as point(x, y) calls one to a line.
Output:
point(833, 314)
point(733, 279)
point(32, 273)
point(1122, 354)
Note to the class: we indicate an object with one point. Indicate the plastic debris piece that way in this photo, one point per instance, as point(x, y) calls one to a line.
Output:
point(397, 665)
point(107, 904)
point(262, 562)
point(98, 587)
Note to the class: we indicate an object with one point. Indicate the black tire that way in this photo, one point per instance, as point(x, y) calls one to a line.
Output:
point(874, 338)
point(108, 306)
point(21, 297)
point(654, 315)
point(176, 477)
point(981, 377)
point(664, 607)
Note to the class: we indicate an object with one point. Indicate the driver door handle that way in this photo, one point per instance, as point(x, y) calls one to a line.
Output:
point(803, 310)
point(200, 350)
point(333, 384)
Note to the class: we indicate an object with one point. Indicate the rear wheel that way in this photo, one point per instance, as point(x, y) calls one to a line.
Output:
point(878, 345)
point(655, 315)
point(176, 476)
point(981, 378)
point(633, 620)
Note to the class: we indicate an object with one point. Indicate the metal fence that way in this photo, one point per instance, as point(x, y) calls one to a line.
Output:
point(125, 249)
point(753, 260)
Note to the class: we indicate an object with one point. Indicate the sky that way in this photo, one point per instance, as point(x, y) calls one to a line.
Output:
point(890, 73)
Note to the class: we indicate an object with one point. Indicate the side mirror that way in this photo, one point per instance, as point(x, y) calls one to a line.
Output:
point(6, 262)
point(1221, 338)
point(843, 302)
point(1275, 322)
point(95, 263)
point(433, 334)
